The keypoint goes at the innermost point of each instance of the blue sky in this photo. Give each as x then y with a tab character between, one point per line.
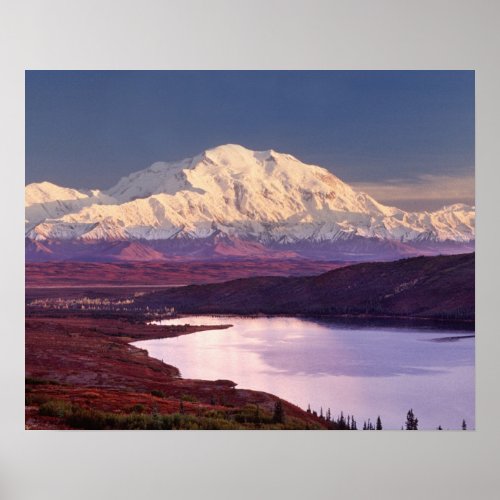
405	136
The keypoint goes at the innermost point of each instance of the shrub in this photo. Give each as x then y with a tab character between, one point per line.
189	398
35	399
138	408
157	393
55	408
82	418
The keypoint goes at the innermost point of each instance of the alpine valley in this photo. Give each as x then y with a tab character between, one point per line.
233	203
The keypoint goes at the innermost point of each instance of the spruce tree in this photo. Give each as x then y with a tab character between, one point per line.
464	425
379	424
411	421
342	420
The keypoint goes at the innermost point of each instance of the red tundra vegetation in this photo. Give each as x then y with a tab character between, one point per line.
82	372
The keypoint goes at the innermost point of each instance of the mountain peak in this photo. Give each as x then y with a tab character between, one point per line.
44	192
227	154
229	148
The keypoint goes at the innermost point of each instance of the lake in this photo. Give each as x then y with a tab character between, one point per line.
358	370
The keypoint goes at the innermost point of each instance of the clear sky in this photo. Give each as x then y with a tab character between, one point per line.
406	137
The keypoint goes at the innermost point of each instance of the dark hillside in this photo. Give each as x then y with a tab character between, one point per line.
434	287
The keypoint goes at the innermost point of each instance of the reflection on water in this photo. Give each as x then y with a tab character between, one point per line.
361	371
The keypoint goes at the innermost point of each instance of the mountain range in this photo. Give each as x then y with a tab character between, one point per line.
231	202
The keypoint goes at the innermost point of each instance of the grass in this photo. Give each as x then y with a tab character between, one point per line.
250	417
55	408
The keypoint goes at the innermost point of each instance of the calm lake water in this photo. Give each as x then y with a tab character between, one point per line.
361	371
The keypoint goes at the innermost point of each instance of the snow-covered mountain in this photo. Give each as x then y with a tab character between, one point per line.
44	201
243	202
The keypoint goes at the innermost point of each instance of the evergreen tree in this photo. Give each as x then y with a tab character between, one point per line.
279	413
354	425
341	421
379	424
464	425
440	428
411	421
364	426
308	408
328	415
321	412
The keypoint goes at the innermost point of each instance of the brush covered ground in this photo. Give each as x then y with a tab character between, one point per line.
441	287
82	373
173	272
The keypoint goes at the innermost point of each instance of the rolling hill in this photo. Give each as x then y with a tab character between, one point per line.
426	287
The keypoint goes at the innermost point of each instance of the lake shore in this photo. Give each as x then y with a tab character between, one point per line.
361	320
364	369
85	366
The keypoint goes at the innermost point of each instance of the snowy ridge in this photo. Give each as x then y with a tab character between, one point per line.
263	196
44	201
